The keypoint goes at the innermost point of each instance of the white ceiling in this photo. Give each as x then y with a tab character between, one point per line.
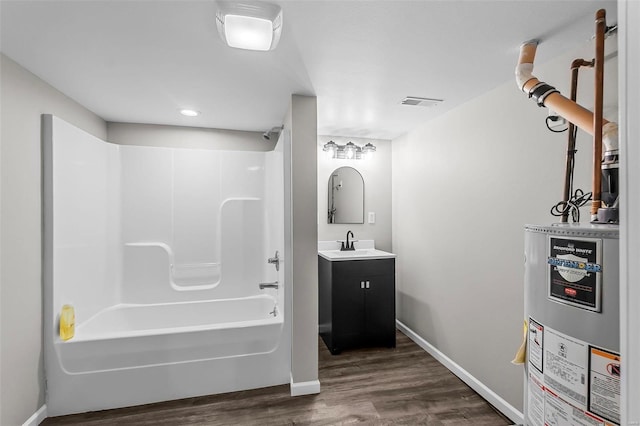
141	61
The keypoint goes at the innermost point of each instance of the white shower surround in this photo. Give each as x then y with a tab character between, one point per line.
160	251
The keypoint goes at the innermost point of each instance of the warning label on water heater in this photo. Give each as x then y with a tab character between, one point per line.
579	384
604	383
575	271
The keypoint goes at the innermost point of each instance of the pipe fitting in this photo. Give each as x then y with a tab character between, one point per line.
540	91
524	73
566	108
610	136
524	69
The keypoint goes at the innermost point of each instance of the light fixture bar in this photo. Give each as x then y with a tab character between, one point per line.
349	151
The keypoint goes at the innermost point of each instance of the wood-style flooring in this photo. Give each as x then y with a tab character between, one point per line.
378	386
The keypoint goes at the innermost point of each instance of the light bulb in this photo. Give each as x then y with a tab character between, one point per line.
349	150
367	151
330	153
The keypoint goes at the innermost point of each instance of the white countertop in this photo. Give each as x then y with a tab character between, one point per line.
358	254
364	250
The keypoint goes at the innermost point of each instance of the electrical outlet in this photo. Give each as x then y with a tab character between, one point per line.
372	217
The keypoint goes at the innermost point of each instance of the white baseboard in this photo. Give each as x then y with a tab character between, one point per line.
305	388
37	417
493	398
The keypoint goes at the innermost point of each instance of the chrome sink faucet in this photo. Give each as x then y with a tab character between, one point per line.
347	246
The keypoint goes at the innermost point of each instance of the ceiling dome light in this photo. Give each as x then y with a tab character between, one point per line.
189	112
250	26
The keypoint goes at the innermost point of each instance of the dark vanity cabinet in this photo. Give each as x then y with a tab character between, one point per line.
357	303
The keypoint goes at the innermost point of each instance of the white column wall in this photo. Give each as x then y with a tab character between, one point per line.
301	236
24	98
629	21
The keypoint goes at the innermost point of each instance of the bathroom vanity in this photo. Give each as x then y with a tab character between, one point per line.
356	298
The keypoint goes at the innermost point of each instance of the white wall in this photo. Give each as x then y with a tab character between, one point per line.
301	261
464	185
24	98
629	21
376	173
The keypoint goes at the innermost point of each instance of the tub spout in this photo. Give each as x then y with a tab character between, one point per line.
268	285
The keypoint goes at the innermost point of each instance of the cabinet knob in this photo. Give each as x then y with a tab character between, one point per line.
367	284
361	284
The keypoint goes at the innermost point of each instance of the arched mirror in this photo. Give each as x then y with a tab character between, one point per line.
346	196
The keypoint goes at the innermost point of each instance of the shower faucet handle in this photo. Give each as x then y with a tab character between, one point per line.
275	260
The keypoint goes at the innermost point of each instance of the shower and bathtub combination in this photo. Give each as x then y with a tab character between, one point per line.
160	252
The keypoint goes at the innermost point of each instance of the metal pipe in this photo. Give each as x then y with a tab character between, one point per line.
571	111
274	284
603	131
571	138
601	26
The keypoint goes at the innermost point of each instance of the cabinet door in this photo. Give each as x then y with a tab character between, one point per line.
324	297
348	305
380	310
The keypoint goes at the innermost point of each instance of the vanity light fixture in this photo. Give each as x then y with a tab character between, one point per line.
350	151
368	150
256	26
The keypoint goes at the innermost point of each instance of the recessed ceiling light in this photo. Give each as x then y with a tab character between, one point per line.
189	112
250	26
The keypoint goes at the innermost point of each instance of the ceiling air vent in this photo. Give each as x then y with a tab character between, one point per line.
423	102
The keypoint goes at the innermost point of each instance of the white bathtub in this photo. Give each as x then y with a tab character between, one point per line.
131	336
160	251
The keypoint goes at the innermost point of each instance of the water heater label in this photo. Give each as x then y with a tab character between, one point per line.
604	383
535	344
535	400
560	413
566	367
575	271
578	386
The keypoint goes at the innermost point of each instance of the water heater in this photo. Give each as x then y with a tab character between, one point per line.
572	314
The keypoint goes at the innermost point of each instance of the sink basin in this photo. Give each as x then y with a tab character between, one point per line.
359	254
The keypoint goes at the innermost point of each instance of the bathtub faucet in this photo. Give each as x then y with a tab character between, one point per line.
268	285
275	260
